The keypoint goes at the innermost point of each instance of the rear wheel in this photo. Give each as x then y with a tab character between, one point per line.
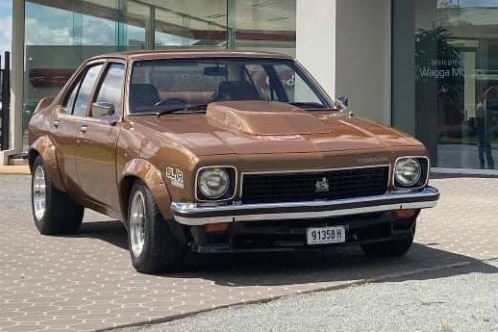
391	248
153	246
54	212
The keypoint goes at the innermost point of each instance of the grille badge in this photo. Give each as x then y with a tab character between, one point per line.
322	186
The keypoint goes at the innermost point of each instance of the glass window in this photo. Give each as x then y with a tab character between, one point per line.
167	83
190	24
69	104
264	25
456	77
59	36
296	89
85	91
112	86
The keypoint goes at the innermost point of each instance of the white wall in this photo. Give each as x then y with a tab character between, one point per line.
346	44
364	56
315	39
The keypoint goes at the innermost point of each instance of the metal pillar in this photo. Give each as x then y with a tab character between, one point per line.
121	38
231	24
150	38
5	103
17	79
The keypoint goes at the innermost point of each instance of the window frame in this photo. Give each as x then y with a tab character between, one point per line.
75	83
305	75
107	65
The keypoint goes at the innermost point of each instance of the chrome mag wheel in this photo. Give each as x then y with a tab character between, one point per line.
137	223
39	190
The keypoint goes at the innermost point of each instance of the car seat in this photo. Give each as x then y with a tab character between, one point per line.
236	90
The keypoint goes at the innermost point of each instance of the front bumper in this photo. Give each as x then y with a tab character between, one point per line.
195	214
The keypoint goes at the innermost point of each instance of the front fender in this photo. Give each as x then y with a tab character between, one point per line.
151	176
44	147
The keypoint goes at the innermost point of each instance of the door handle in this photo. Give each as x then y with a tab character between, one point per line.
83	128
57	123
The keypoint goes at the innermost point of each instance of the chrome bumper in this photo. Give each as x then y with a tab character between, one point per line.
194	214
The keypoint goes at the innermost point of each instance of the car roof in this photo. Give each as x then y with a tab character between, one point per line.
175	54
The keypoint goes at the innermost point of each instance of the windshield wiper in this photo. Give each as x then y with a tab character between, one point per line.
307	104
182	109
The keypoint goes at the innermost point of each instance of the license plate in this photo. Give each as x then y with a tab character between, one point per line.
325	235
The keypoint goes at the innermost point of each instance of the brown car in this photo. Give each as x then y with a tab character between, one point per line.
215	152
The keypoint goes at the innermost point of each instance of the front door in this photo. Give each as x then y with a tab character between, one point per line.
97	138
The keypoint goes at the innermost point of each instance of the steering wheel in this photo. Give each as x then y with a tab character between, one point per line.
170	101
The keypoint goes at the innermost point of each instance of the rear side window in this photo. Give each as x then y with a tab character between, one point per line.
69	104
85	90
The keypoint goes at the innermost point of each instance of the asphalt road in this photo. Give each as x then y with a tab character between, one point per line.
447	300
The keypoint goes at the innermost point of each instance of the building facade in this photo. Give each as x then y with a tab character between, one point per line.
428	67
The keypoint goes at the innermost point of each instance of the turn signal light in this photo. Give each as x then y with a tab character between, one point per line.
405	214
216	228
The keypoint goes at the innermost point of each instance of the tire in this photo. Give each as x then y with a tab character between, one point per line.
54	212
391	248
153	246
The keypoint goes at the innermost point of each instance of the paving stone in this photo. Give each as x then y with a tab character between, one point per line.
85	281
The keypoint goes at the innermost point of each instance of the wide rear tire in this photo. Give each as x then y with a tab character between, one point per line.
153	246
54	212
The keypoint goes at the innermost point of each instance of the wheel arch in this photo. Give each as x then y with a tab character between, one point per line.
45	148
144	171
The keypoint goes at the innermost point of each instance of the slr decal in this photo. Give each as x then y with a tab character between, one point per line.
175	176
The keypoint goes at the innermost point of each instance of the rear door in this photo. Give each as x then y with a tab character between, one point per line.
97	138
67	122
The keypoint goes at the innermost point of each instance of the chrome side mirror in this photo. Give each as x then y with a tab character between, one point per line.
344	100
102	109
341	103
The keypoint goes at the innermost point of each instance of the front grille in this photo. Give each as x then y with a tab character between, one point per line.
309	186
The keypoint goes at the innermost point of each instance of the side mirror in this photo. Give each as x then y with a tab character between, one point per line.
344	100
102	109
341	104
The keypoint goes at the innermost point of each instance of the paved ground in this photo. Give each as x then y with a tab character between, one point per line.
452	299
86	282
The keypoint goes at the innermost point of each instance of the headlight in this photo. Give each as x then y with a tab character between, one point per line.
407	172
213	183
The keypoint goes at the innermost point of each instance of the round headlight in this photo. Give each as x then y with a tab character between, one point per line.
407	172
213	183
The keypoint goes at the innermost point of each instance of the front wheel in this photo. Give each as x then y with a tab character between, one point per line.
153	246
54	212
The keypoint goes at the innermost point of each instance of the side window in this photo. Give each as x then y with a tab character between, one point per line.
69	103
295	86
111	88
85	91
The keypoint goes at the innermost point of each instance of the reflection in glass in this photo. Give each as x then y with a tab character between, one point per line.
266	25
61	34
456	70
190	24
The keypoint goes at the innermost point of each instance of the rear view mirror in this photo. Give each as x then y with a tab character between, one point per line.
215	71
102	110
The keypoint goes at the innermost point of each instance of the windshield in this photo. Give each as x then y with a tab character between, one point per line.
177	84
